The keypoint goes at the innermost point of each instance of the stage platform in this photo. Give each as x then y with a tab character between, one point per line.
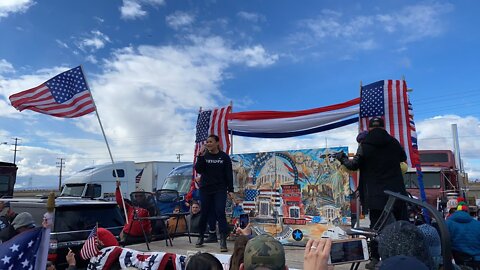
181	245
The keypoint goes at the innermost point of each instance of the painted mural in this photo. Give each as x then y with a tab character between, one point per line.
293	195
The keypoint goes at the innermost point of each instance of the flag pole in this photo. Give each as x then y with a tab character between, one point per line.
106	142
231	131
418	168
358	172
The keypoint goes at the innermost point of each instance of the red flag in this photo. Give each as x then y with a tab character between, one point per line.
389	99
90	247
65	95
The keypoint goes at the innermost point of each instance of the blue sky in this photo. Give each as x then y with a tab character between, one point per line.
152	63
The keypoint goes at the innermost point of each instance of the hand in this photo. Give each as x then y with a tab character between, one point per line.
71	258
187	204
316	254
246	231
202	150
339	155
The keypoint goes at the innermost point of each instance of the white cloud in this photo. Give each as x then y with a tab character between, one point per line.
436	133
6	67
133	9
256	57
251	16
91	59
8	7
147	97
96	41
408	24
417	21
179	19
62	44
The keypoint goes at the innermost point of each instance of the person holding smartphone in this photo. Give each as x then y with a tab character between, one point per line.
216	183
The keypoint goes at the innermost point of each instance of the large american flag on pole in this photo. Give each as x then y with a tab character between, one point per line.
66	95
389	99
212	122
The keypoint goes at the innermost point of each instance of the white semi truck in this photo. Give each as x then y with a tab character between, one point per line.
99	181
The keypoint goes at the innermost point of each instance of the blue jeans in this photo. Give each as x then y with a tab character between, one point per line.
214	205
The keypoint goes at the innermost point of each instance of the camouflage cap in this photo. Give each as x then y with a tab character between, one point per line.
264	251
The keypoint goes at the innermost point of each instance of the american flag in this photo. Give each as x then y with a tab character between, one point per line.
249	202
65	95
212	122
139	176
389	99
21	251
90	247
273	194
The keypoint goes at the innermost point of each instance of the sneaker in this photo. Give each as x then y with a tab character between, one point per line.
371	265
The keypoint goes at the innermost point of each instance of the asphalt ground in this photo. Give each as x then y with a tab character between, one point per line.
181	245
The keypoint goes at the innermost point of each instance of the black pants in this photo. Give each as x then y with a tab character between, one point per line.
399	211
214	204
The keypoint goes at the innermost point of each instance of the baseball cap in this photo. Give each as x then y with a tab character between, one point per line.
401	262
376	122
23	219
264	251
107	238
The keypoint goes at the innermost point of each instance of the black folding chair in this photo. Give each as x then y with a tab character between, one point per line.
147	201
167	200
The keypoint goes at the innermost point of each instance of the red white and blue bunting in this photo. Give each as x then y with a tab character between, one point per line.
277	124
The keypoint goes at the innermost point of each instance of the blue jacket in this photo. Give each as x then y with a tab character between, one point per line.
464	233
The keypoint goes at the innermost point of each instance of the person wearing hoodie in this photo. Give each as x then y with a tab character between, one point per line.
216	184
378	157
464	233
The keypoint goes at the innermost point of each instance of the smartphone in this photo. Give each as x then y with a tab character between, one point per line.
243	220
348	251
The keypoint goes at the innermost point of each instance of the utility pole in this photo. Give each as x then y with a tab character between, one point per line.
60	165
178	157
15	150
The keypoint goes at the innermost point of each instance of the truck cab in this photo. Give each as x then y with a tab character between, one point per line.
8	176
99	181
441	177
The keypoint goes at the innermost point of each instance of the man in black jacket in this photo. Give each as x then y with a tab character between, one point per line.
378	157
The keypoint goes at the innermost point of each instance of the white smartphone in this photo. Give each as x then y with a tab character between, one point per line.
348	251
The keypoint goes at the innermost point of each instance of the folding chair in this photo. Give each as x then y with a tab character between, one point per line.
147	201
167	200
